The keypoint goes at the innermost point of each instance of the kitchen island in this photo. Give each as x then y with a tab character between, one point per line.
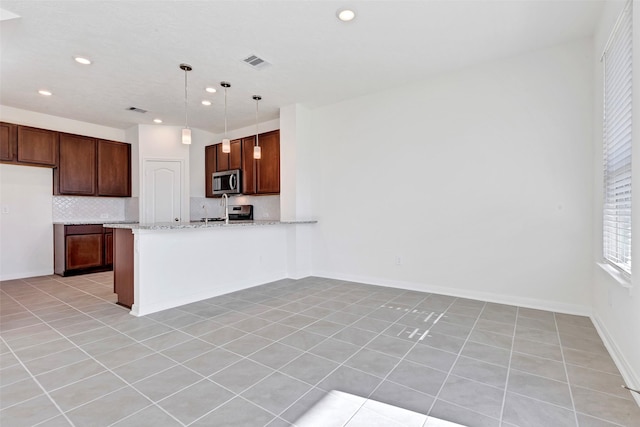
164	265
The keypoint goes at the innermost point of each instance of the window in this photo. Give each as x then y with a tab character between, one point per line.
616	227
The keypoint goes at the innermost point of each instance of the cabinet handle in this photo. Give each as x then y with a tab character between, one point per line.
176	219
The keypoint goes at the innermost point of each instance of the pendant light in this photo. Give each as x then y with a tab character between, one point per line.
257	152
186	132
226	144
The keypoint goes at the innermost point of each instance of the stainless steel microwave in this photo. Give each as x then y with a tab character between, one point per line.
227	182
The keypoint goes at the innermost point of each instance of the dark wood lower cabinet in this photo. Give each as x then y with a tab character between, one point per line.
81	249
84	251
108	246
123	266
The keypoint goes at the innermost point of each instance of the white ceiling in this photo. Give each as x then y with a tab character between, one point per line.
136	47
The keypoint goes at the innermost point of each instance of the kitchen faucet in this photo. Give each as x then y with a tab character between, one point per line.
225	201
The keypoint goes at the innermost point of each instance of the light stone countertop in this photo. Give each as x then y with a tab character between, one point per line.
95	222
199	224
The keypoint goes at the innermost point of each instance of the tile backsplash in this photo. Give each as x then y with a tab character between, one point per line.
70	208
264	207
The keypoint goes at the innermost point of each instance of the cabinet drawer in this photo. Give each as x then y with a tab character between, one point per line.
84	229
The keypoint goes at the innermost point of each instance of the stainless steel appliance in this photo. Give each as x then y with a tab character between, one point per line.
227	182
236	213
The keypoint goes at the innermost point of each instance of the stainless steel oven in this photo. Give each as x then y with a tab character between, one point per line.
227	182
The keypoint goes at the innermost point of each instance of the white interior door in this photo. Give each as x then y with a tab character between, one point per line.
162	191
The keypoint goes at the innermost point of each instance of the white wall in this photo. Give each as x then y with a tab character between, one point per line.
616	310
26	228
479	182
61	124
163	143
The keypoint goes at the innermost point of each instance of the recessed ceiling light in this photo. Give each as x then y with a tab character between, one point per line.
211	89
205	102
346	15
81	60
157	120
45	92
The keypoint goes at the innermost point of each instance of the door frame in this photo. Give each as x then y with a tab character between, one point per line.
184	184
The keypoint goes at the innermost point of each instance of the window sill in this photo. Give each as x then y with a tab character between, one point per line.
616	275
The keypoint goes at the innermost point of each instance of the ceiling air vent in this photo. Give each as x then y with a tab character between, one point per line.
256	62
137	110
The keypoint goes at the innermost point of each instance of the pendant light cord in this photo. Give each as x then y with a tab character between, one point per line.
257	100
225	112
186	116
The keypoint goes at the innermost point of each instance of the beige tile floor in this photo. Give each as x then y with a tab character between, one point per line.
266	355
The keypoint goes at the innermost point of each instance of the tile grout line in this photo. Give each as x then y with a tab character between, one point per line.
566	372
33	378
91	357
395	366
506	382
268	308
277	370
313	386
455	362
326	337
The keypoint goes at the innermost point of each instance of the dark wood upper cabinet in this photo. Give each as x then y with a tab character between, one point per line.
8	141
235	156
114	169
222	159
37	146
268	167
210	152
83	166
76	173
248	166
258	176
229	161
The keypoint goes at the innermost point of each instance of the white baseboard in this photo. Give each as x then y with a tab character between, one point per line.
629	375
27	274
539	304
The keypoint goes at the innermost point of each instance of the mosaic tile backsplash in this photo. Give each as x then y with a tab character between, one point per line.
69	208
264	207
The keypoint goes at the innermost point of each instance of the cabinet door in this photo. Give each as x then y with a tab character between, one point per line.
76	173
235	156
108	246
248	166
8	141
268	167
209	168
123	266
37	146
84	251
222	159
114	169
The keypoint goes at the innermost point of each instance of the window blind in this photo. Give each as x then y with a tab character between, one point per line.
617	60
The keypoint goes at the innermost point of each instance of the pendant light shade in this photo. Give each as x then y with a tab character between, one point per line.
186	136
186	132
226	144
257	151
